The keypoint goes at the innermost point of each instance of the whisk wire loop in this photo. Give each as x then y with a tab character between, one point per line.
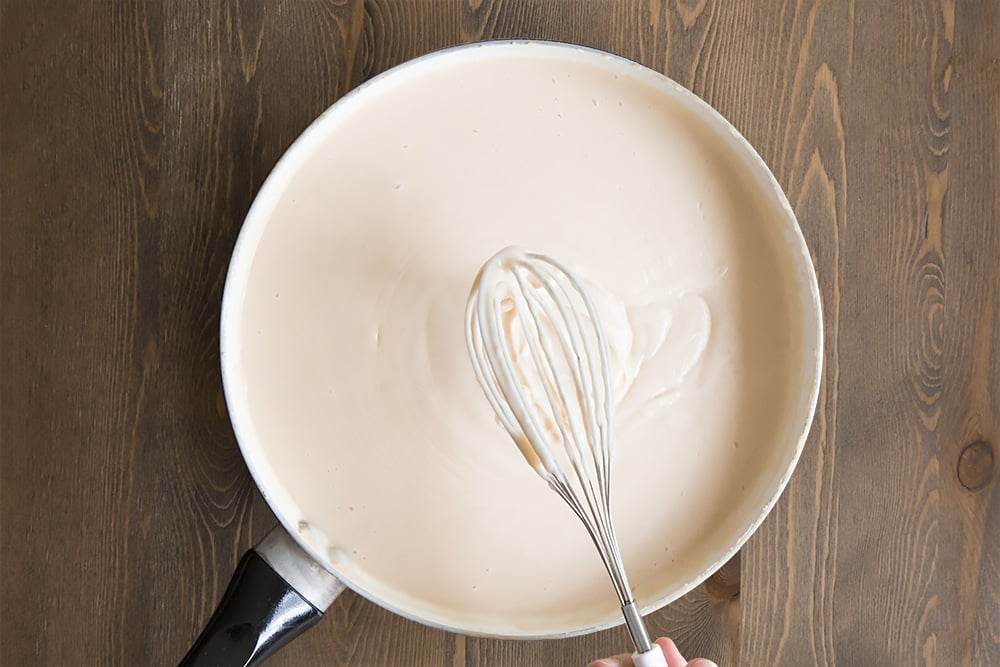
542	357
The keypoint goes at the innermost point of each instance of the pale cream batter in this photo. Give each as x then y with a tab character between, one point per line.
348	378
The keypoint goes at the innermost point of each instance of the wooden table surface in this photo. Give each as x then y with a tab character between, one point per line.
135	135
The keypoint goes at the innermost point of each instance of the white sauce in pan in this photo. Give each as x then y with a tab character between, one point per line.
355	396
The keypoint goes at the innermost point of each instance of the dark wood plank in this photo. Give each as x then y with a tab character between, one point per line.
794	115
962	324
876	554
81	126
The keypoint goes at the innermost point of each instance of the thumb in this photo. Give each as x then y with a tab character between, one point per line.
701	662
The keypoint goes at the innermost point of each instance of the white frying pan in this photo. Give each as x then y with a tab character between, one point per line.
285	583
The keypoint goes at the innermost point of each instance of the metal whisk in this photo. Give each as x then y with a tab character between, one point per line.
541	356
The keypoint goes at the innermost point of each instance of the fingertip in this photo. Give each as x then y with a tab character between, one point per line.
671	652
701	662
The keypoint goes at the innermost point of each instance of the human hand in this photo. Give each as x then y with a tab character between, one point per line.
670	652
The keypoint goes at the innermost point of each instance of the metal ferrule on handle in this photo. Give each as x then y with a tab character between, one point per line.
636	628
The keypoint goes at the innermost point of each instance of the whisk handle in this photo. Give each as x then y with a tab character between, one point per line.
652	658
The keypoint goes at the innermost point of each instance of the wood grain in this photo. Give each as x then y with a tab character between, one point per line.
133	137
874	547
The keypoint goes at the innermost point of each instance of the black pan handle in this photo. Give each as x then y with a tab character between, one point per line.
261	611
